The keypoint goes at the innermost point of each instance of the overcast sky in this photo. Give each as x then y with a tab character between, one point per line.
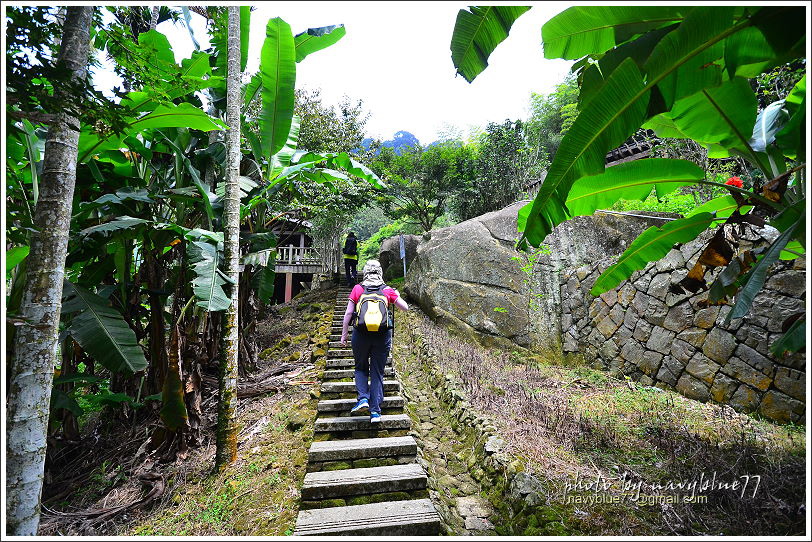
396	58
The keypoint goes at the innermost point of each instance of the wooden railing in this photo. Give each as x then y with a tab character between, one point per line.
291	255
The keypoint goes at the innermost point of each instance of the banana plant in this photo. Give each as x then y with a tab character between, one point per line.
683	72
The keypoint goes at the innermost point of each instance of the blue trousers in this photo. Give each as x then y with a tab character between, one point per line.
370	351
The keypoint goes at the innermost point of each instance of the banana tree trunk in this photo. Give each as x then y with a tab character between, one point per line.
36	339
229	352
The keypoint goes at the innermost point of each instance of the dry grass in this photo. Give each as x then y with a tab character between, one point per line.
569	422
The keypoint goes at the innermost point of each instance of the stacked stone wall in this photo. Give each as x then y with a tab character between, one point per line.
678	341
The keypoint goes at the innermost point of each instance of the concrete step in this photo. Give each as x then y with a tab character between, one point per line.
349	482
343	363
362	423
363	448
344	405
349	387
399	518
337	374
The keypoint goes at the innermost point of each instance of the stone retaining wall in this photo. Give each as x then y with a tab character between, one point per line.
519	497
643	330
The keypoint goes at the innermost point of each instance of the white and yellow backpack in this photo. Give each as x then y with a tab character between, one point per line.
372	311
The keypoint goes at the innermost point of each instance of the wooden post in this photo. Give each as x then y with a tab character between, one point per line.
288	287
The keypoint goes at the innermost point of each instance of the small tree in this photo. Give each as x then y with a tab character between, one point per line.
423	181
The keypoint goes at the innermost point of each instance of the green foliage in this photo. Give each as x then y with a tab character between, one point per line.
422	181
102	331
369	249
551	116
477	33
503	166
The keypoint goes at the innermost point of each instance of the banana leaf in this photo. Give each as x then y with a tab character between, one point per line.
209	280
277	69
651	245
102	331
477	33
632	181
316	39
580	31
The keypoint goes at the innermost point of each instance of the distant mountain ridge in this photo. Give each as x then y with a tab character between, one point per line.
401	142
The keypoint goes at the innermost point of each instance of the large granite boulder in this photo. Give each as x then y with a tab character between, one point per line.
389	255
472	276
469	274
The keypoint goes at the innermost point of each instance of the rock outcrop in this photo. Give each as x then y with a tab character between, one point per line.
389	255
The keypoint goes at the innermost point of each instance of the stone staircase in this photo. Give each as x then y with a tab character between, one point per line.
362	478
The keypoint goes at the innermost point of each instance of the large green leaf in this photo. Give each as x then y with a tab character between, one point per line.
123	223
651	245
184	115
245	185
632	181
676	68
793	340
209	280
585	30
316	39
101	331
611	116
476	35
14	256
277	68
792	137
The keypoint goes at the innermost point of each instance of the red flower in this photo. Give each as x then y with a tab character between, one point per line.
734	181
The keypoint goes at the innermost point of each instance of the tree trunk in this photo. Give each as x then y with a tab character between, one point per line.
156	10
36	340
229	353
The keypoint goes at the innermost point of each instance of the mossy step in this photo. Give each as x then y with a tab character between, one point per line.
344	405
364	448
337	374
347	482
345	387
343	363
395	518
362	423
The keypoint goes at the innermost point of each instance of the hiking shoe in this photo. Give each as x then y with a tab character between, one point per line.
362	405
375	417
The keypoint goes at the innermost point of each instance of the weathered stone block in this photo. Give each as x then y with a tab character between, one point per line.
723	388
659	286
706	318
660	340
789	283
583	272
780	407
745	399
694	336
682	350
743	372
626	294
719	345
609	349
607	327
609	297
646	380
656	312
642	331
693	388
640	303
650	362
632	351
755	360
702	368
671	261
617	314
670	371
791	382
679	317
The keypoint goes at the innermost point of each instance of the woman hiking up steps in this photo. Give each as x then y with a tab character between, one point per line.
371	337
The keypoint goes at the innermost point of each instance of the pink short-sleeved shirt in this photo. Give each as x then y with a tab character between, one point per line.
355	295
